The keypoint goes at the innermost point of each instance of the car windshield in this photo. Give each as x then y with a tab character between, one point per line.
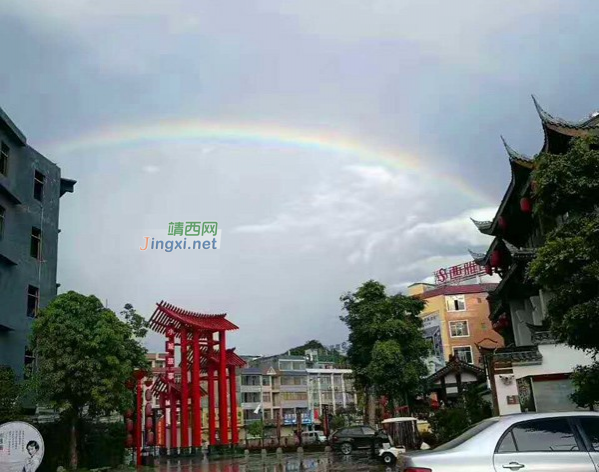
467	434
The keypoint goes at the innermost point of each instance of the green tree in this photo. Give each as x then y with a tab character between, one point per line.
138	323
386	344
567	265
255	429
10	393
85	357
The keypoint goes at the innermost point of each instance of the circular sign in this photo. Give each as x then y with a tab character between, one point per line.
21	447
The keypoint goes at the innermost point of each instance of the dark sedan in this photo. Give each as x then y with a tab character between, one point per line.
357	437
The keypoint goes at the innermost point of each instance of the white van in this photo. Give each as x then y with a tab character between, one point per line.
313	437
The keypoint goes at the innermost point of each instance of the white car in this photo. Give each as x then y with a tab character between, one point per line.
536	442
313	437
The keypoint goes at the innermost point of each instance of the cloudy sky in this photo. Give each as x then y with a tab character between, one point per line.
333	141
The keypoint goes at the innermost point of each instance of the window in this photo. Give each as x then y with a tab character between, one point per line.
507	444
2	217
455	303
38	185
458	329
368	431
551	435
36	243
33	301
353	431
292	380
591	429
468	434
250	380
285	365
266	397
4	154
250	397
266	381
294	396
463	353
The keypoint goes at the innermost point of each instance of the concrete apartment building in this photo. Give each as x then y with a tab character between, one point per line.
456	320
30	191
288	385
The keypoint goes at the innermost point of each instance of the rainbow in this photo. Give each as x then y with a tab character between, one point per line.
124	137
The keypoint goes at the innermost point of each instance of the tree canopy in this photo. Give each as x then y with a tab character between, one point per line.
567	265
85	357
10	393
386	344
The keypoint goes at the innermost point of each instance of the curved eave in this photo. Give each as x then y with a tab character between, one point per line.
587	127
483	226
478	257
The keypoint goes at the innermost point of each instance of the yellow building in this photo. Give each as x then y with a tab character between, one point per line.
456	320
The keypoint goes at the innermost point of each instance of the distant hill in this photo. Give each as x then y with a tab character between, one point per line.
313	344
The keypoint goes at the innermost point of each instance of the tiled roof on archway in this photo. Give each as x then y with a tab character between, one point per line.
167	315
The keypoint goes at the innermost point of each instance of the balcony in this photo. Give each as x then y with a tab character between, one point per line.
249	405
294	388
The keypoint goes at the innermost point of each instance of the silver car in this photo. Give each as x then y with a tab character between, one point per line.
539	442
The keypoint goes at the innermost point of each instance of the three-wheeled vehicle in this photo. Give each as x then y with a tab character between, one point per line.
403	436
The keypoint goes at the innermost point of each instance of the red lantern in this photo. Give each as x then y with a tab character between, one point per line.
148	395
149	422
129	441
496	258
148	409
129	425
148	383
526	205
129	414
502	223
488	269
150	440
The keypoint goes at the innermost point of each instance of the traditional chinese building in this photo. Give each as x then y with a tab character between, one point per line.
532	372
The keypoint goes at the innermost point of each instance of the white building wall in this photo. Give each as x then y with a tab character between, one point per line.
557	359
504	391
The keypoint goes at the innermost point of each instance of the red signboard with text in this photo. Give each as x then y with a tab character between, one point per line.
458	273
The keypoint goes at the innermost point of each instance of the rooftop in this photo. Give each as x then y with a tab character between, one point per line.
458	290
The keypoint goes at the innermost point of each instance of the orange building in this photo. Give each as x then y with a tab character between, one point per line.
456	320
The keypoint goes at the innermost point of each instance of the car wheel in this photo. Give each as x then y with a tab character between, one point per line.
346	448
388	458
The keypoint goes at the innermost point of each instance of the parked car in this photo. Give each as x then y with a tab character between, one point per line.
313	437
357	437
536	442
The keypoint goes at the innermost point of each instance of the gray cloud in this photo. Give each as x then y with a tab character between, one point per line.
431	82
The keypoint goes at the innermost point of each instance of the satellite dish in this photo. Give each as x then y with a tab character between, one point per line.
21	447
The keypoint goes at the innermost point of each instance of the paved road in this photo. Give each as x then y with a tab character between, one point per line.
314	462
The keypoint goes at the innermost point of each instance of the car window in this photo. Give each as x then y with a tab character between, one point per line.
368	431
590	426
353	431
468	434
507	444
551	435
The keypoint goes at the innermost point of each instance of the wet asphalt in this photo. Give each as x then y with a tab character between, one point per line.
308	462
